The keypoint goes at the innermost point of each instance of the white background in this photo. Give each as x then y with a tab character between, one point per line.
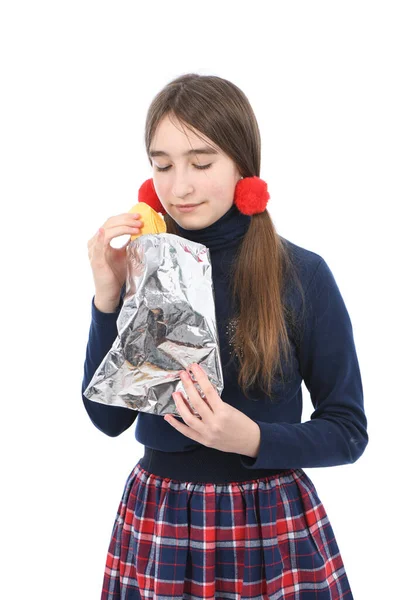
77	79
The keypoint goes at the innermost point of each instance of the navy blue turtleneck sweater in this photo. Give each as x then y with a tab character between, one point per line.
325	358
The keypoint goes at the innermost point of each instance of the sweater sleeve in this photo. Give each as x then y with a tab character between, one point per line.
111	420
336	433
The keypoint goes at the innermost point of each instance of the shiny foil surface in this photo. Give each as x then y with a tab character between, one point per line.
166	323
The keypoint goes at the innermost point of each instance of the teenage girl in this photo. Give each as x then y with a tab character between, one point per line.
219	506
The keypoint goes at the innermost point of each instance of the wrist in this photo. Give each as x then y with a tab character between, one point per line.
106	305
253	442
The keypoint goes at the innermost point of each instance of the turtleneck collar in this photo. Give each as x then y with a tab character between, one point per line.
229	228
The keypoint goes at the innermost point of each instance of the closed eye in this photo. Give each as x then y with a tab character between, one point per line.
199	167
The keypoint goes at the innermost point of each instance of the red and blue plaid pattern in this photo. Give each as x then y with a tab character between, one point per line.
266	538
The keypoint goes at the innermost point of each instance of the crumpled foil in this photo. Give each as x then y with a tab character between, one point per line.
166	323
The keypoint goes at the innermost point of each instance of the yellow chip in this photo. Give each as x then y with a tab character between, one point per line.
152	221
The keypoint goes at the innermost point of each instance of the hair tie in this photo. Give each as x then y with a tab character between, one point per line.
251	195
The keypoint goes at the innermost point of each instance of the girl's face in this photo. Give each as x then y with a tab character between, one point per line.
205	178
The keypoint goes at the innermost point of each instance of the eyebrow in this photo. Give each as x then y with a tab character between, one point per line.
203	150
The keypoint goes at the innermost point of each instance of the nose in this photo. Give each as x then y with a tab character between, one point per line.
181	187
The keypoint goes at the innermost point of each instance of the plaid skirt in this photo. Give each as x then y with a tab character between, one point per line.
267	538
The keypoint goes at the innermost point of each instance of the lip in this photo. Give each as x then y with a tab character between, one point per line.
187	207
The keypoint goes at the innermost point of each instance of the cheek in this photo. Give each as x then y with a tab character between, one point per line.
215	189
160	186
223	194
219	191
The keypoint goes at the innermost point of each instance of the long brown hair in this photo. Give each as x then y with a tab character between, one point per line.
219	110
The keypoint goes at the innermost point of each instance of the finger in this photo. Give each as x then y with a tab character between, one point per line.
95	239
99	240
113	232
183	429
197	401
96	246
187	404
126	223
123	219
211	395
103	237
185	412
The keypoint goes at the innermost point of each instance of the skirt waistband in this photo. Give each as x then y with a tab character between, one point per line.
203	464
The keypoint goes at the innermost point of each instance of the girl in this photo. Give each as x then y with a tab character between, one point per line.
219	505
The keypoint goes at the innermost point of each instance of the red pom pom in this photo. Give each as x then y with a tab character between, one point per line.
148	194
251	195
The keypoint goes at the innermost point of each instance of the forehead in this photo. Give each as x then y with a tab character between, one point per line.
173	138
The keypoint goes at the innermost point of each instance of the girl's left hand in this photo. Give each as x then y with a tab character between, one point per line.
221	426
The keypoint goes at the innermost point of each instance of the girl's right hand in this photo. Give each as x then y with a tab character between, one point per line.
109	264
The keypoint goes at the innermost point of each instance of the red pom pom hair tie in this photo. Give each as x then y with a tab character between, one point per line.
251	196
148	194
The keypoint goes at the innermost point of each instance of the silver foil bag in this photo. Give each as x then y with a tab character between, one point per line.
166	323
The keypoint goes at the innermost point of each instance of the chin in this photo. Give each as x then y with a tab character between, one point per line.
191	226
